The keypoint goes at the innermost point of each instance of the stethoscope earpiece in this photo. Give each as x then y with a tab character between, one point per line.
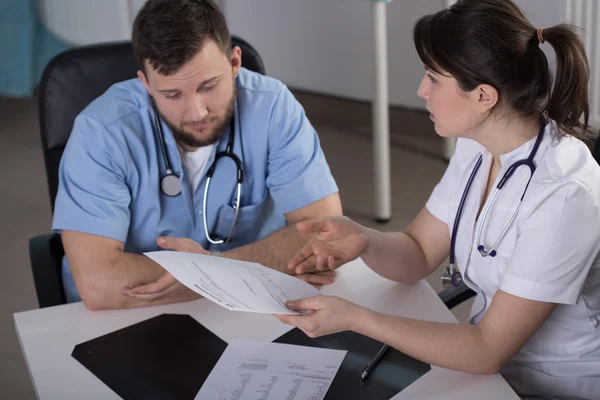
484	253
228	153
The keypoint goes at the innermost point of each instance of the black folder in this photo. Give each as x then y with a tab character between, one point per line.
165	357
170	356
394	372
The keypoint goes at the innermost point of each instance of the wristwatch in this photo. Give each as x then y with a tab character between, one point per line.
216	253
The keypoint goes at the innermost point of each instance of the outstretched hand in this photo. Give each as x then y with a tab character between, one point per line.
338	240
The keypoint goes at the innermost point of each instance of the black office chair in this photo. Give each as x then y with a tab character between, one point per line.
596	150
456	295
70	82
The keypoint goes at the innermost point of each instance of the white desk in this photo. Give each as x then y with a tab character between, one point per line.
48	336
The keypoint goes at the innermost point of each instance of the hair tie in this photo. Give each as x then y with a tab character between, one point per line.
539	35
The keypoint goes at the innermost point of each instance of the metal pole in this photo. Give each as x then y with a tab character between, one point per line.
380	118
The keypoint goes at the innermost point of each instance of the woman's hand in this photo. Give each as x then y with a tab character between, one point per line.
329	315
338	241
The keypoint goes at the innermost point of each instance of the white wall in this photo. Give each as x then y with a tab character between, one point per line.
326	45
543	14
317	45
81	22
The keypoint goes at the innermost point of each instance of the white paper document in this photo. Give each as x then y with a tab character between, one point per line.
235	285
250	370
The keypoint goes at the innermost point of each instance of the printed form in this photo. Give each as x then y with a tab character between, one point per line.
250	370
235	285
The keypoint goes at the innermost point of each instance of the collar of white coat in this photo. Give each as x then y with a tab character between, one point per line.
523	151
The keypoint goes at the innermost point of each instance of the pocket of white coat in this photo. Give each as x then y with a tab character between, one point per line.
247	226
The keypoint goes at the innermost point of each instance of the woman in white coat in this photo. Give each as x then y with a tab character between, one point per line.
527	236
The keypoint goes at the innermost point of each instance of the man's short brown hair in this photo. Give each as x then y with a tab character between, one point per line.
169	33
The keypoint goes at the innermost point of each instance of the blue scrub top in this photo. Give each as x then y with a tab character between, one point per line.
110	172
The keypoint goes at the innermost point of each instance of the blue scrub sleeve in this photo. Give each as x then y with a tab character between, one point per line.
93	196
298	173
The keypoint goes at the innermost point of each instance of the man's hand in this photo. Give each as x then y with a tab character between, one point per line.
166	284
180	244
318	279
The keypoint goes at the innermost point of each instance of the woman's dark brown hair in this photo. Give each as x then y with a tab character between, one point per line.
169	33
491	42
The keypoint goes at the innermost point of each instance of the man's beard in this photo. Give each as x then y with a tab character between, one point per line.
213	137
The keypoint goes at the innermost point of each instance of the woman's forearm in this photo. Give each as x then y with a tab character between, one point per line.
453	346
395	255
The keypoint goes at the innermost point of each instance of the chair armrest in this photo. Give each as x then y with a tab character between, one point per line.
456	295
46	253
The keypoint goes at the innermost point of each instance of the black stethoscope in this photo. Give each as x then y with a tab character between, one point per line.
170	183
451	276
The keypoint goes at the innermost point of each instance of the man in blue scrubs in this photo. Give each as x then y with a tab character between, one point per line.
110	205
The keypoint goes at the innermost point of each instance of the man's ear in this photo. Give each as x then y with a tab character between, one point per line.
486	97
142	76
236	60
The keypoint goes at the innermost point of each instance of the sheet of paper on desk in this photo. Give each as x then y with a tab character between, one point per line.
250	370
235	285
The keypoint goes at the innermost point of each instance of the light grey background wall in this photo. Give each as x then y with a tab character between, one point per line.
326	45
317	45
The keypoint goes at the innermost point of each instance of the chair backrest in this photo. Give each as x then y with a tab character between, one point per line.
596	150
74	78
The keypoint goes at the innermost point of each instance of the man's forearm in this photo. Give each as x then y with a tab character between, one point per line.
104	290
170	298
128	270
274	251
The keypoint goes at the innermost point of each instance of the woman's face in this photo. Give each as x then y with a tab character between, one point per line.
454	112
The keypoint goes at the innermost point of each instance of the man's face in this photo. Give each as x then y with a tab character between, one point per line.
197	101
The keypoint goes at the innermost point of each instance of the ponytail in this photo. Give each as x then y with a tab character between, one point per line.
569	97
492	42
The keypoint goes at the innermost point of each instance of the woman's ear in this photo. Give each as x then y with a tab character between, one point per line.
486	97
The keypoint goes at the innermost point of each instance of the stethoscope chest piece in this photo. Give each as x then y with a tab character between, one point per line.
170	185
451	277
